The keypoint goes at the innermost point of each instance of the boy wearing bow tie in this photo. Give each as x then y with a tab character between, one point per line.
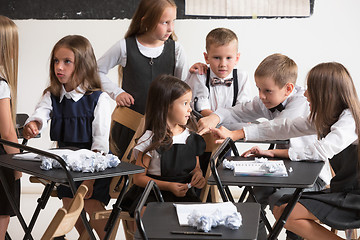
222	86
278	98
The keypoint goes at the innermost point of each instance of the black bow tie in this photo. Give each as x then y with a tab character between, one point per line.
279	107
218	81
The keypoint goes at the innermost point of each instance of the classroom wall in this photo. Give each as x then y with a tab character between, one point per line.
330	34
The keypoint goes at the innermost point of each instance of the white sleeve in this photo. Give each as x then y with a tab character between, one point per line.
341	135
243	112
101	124
279	129
143	142
116	55
200	91
42	111
181	67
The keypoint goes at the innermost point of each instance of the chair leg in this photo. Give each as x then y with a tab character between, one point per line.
129	235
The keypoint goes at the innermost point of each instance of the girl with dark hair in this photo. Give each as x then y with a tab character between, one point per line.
168	149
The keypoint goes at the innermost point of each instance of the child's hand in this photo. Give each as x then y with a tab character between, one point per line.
90	186
199	68
221	134
198	180
31	129
125	100
205	123
256	151
178	189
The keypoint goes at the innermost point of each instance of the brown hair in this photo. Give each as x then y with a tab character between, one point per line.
163	91
147	17
86	70
220	37
331	90
278	67
9	52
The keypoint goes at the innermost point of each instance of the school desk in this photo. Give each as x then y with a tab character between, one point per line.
160	219
62	176
303	175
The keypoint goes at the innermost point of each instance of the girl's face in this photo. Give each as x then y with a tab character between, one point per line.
64	66
179	111
165	27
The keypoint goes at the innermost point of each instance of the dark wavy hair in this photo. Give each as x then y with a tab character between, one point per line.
163	91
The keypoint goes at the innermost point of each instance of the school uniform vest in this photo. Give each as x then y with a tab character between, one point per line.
140	71
71	122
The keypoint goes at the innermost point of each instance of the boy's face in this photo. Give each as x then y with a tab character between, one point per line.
222	59
270	93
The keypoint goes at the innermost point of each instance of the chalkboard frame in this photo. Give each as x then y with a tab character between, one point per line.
92	9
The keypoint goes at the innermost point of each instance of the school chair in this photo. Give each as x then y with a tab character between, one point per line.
136	122
65	218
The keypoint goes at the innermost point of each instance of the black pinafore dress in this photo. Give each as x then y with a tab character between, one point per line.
176	166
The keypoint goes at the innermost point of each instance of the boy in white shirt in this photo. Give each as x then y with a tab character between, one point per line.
222	86
278	98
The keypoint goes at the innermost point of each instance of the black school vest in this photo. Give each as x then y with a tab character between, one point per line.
140	71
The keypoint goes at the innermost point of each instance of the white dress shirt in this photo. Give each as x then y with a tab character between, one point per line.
100	124
342	134
116	55
219	96
295	105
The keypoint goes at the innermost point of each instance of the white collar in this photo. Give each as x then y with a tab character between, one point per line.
212	74
75	94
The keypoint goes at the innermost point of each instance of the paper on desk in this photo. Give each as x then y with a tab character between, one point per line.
275	168
72	154
184	210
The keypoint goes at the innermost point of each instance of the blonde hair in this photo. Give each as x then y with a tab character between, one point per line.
331	90
278	67
147	16
220	37
85	73
9	51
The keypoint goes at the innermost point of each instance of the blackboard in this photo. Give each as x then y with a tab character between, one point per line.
85	9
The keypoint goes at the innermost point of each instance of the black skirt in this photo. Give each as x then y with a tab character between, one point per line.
339	210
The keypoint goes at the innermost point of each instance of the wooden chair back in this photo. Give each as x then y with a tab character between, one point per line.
65	218
135	121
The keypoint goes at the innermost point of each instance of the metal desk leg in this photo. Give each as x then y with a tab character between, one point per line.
116	209
42	201
284	216
5	185
262	211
